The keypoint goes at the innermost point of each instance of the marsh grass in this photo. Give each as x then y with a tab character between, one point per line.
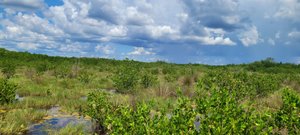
72	106
70	129
16	121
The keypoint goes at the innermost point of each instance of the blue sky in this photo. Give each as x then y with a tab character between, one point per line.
180	31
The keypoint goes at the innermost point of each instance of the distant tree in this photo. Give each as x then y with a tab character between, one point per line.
268	62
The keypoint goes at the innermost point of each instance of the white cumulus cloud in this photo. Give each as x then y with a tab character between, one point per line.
141	51
250	37
28	46
294	34
271	41
106	49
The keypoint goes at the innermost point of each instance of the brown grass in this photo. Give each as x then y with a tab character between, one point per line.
273	102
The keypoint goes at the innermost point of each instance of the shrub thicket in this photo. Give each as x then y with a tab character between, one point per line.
216	109
126	79
7	91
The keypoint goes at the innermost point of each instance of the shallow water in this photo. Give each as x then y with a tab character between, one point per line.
19	98
58	120
84	98
57	123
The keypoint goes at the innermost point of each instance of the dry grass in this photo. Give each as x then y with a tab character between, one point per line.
282	131
164	90
272	102
29	73
188	91
294	85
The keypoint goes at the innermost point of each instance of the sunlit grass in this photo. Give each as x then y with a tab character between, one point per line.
16	121
71	129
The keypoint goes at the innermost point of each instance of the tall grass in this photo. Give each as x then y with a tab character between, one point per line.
17	121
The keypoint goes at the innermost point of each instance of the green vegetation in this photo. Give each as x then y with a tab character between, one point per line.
70	130
7	91
215	110
16	121
8	69
130	97
126	78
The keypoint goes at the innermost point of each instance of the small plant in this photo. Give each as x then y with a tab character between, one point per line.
42	67
7	91
61	71
71	129
85	77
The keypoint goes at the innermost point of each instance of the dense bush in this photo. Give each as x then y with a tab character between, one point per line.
8	69
126	79
289	114
62	71
7	91
244	83
220	104
41	67
214	110
148	80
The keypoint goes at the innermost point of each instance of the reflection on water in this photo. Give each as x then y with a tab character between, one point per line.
19	98
57	123
57	120
84	98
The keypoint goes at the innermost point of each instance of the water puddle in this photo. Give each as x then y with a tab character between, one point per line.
112	91
57	120
84	98
57	123
19	98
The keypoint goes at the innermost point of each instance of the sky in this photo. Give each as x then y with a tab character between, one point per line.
214	32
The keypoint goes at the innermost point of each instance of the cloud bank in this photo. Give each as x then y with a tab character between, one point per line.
228	31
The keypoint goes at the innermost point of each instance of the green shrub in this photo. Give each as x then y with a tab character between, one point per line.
126	79
42	66
168	70
7	91
98	107
289	114
148	80
211	111
245	84
155	71
85	77
9	69
61	71
170	78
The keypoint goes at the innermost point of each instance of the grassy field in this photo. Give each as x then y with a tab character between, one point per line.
130	97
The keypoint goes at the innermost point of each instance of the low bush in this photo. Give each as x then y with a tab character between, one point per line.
244	83
85	77
8	69
212	111
7	91
126	79
148	80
